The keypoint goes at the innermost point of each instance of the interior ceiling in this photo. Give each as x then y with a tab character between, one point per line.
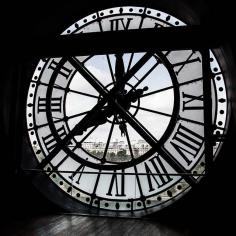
24	17
22	21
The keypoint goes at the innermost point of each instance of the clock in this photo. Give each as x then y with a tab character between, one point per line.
123	133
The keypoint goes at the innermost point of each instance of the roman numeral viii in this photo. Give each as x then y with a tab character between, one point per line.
187	143
153	167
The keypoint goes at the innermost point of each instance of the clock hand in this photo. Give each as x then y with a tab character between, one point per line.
101	118
159	61
120	71
123	128
79	128
109	110
127	76
119	67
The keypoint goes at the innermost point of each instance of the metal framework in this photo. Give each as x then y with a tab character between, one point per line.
186	37
150	40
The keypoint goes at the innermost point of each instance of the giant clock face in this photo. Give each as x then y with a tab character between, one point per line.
123	132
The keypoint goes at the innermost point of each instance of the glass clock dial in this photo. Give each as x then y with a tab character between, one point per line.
123	132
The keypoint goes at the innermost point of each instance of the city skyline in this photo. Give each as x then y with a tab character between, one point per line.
117	149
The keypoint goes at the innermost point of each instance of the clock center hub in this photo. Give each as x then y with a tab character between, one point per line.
128	98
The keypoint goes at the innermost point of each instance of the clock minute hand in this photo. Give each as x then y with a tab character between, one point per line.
61	144
129	74
98	113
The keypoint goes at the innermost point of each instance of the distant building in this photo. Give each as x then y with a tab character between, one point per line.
139	147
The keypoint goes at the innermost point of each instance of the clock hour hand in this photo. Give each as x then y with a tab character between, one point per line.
126	101
109	110
119	71
100	118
